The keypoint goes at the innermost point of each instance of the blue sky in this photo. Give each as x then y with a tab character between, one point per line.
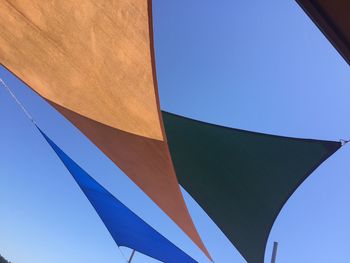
255	65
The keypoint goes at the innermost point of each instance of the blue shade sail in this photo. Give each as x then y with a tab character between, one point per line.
126	228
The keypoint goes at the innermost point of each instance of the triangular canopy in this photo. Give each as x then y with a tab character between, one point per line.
332	17
240	178
93	61
126	228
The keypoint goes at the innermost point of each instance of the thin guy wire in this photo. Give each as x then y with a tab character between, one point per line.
17	101
121	252
343	142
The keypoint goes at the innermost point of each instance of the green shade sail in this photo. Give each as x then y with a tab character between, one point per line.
241	179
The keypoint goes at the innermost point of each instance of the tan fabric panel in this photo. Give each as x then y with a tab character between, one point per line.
93	61
92	57
146	161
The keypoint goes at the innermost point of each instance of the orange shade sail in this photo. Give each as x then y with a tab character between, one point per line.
93	61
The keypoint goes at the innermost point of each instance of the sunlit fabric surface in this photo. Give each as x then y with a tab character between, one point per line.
126	228
93	61
241	179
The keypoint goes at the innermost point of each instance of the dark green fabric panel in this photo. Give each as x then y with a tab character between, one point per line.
241	179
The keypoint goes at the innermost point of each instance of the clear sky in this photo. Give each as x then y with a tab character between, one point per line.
255	65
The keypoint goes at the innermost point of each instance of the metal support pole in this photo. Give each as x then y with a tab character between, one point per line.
274	252
132	255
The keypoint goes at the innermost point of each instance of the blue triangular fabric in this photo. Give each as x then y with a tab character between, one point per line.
126	228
